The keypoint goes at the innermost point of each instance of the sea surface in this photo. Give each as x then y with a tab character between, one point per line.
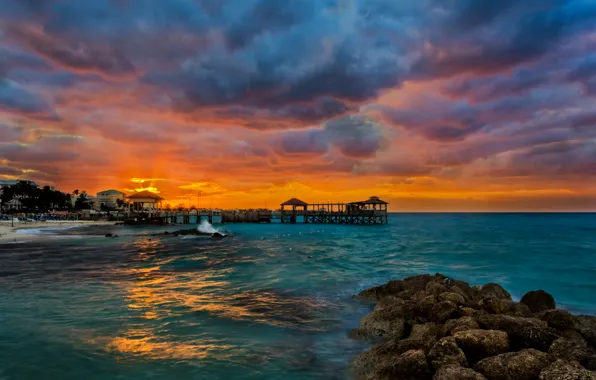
267	302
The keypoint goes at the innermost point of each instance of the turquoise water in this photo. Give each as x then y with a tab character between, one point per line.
270	302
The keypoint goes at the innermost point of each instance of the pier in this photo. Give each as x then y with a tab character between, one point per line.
369	212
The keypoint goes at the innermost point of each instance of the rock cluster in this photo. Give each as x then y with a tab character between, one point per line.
438	328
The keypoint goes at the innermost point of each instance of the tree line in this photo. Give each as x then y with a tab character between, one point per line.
32	198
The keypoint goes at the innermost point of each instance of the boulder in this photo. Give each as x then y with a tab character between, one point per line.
523	332
494	291
538	300
411	365
416	282
522	365
379	292
471	312
586	325
494	305
570	346
436	288
590	362
456	325
446	352
390	303
419	295
518	309
562	370
444	311
427	331
383	323
457	289
456	298
558	319
480	344
471	292
457	373
381	356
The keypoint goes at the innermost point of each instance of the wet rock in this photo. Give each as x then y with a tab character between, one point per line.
427	331
444	311
494	305
411	365
571	346
453	326
508	323
419	295
533	337
480	344
470	312
586	325
391	304
379	292
470	292
457	289
457	373
558	319
562	370
383	323
494	291
538	300
522	365
446	352
436	288
384	355
456	298
518	309
416	282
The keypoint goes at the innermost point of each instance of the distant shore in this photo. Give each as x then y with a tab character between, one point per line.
8	233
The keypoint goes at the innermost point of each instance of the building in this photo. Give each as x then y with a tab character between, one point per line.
110	198
145	200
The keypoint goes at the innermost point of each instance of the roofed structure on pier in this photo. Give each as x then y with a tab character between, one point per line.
294	202
375	202
145	200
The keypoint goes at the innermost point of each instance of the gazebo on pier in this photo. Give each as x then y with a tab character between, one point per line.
145	200
297	206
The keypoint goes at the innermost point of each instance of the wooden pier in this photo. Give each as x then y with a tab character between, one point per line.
371	211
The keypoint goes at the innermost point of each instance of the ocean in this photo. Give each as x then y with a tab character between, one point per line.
268	302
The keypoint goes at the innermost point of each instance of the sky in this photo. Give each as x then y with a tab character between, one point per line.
432	105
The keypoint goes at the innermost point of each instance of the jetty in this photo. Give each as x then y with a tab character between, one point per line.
368	212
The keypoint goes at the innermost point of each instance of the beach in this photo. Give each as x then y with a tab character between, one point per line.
17	233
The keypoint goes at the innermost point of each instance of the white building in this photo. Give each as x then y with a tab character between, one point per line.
110	198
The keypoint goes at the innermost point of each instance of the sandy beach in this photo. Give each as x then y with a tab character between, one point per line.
8	233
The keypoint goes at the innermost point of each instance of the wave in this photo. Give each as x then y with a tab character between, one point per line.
206	228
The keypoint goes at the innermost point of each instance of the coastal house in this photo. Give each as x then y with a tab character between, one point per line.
145	200
110	198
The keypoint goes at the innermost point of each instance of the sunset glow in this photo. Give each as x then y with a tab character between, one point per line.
246	104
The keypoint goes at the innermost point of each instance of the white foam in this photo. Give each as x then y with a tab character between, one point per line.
206	228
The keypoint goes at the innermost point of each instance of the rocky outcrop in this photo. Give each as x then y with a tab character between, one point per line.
439	328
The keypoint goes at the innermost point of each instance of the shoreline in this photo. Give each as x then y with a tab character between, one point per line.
10	234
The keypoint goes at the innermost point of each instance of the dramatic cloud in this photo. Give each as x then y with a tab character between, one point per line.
437	99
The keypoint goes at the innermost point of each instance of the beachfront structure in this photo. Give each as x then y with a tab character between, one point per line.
371	211
110	198
145	200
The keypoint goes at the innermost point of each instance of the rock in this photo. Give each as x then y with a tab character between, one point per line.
381	356
571	346
494	305
443	311
411	365
523	332
480	344
538	300
586	325
518	309
457	289
471	293
456	325
456	298
446	352
109	235
590	362
558	319
562	370
383	323
416	282
522	365
379	292
457	373
470	312
427	331
494	291
390	303
436	288
419	295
